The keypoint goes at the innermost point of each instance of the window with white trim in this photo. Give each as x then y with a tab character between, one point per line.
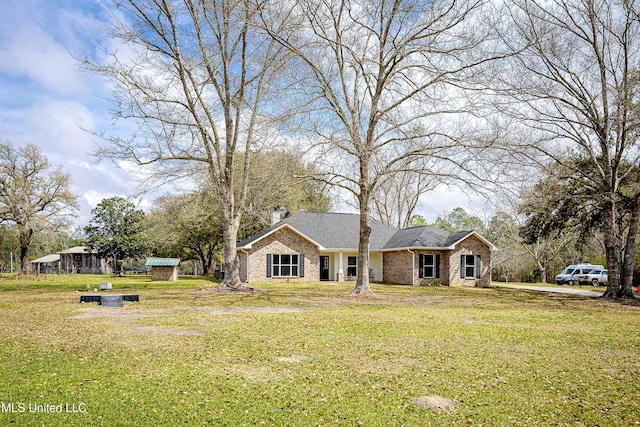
429	266
285	265
470	266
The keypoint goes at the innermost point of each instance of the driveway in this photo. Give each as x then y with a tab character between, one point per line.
567	290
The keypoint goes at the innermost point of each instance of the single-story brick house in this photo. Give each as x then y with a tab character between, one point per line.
311	246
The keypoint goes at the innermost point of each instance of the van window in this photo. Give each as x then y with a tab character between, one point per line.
568	271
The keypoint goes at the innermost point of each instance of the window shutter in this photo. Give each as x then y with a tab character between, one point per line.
462	266
301	265
437	266
421	266
268	265
478	266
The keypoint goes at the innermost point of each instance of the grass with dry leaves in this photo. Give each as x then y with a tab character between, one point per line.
308	354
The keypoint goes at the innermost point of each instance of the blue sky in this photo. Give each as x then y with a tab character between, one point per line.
45	98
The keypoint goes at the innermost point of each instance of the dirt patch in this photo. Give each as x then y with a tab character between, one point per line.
293	359
436	403
112	312
134	313
165	331
266	310
218	288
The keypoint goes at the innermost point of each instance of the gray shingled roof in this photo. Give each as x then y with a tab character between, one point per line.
424	237
338	230
342	231
330	230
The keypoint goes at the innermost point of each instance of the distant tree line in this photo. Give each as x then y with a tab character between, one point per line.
555	222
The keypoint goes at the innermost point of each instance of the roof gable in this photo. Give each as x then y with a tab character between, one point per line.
248	242
457	239
429	237
423	237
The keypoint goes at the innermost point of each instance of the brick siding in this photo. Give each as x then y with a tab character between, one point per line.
283	241
397	265
471	246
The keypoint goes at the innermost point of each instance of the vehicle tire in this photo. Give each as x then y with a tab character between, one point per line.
570	283
595	282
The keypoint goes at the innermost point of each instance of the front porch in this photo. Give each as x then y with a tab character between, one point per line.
340	266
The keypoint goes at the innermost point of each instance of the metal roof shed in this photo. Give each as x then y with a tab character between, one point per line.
163	269
47	264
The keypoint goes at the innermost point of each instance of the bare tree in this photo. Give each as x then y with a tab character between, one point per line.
33	194
383	83
397	197
197	80
574	83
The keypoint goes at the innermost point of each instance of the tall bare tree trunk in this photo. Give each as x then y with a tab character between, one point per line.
231	264
362	283
25	242
626	285
230	215
612	249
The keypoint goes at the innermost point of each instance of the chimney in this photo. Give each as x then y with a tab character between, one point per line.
276	216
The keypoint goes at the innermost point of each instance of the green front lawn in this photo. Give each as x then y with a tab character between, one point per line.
307	354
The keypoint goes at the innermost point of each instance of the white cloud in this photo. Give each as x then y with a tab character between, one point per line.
94	197
57	126
46	100
443	199
33	53
39	39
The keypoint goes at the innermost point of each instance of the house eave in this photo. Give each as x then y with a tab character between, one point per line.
250	245
347	250
419	248
473	233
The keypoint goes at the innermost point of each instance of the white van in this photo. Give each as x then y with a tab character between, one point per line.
569	275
